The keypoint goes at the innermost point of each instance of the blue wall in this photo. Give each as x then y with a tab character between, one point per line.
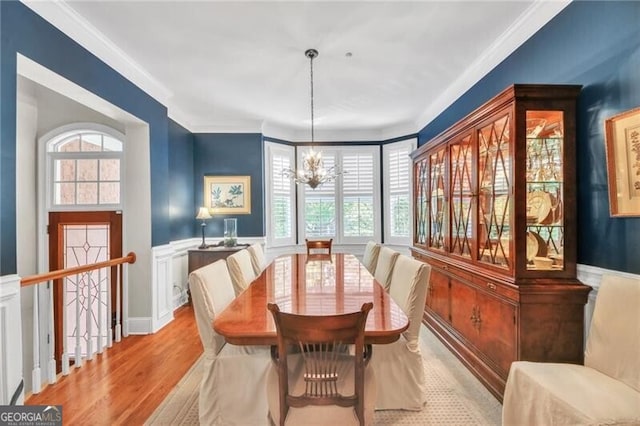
22	31
237	154
597	45
181	182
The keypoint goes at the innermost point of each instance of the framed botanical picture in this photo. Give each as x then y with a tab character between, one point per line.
228	194
622	137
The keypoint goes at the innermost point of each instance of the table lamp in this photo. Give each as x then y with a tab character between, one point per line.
203	214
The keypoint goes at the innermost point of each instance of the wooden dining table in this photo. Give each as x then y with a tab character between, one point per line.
310	285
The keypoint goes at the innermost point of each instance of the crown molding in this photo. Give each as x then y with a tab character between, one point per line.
59	14
527	24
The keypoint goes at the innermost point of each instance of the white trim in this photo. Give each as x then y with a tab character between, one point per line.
523	28
49	157
162	282
65	18
139	325
10	338
411	144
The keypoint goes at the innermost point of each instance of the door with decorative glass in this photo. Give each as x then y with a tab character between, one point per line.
86	305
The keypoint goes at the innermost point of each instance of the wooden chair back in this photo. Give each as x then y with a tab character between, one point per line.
319	246
321	340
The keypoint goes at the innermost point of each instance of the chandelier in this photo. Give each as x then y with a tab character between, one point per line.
313	172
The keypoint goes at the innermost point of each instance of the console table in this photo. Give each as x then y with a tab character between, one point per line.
201	257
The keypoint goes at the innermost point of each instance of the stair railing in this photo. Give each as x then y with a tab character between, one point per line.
82	273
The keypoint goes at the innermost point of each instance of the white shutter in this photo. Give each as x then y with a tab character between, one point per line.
279	196
320	205
357	192
397	188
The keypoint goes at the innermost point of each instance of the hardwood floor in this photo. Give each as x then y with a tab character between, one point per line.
125	384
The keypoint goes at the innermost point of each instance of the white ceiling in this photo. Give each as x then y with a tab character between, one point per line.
239	66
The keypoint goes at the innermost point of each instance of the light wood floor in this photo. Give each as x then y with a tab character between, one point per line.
125	384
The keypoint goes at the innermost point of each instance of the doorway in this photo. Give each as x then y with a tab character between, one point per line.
85	304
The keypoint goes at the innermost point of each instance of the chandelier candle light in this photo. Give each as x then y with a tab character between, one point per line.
313	172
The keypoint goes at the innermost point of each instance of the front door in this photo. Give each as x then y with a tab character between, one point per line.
75	239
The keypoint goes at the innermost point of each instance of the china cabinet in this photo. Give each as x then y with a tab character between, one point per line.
495	217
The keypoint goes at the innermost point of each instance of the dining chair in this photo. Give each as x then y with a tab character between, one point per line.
233	377
370	257
258	259
605	389
241	270
398	366
314	378
384	266
322	246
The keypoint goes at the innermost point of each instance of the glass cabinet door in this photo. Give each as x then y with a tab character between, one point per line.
494	193
421	179
461	154
437	199
545	191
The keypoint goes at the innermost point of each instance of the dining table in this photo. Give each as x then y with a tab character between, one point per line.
310	285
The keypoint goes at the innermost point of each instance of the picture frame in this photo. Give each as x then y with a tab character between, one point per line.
227	194
622	140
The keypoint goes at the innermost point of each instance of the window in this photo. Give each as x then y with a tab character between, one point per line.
397	191
345	210
358	194
280	195
85	169
319	207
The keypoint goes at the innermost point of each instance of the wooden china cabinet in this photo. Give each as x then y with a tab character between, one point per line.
495	217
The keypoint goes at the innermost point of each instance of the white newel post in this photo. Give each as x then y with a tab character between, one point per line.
10	339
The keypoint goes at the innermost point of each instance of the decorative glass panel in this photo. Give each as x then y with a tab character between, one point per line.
422	182
494	193
545	190
461	197
86	314
437	200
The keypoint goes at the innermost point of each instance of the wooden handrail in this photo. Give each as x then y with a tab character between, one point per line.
61	273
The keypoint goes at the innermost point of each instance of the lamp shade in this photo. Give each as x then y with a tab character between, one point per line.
203	213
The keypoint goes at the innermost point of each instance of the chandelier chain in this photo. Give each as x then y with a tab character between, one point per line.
312	115
313	172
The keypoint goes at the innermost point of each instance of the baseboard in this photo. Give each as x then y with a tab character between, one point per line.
139	325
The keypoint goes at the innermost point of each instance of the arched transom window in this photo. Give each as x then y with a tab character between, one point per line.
85	169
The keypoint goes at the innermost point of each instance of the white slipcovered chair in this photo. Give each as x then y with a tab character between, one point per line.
384	266
241	270
370	257
258	260
398	366
605	390
234	377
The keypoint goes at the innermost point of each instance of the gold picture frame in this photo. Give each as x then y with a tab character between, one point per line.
227	194
622	139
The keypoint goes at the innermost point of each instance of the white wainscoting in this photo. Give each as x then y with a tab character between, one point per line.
170	278
170	282
10	339
161	285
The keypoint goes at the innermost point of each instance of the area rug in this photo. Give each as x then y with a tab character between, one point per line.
454	395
